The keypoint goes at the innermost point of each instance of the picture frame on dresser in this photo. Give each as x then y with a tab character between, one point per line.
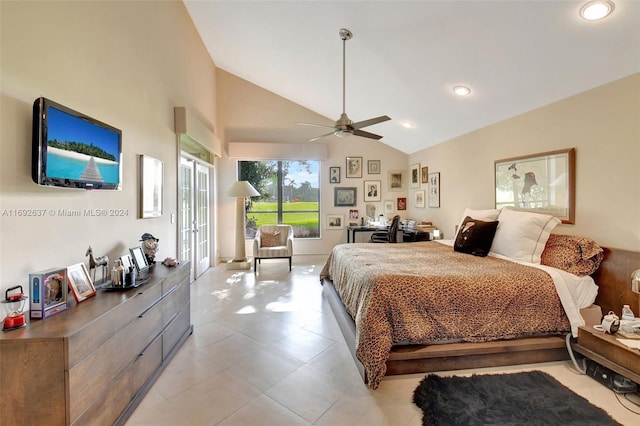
80	282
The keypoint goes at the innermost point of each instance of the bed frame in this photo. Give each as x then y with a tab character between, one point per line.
613	279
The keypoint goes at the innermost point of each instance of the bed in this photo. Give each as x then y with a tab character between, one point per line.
425	307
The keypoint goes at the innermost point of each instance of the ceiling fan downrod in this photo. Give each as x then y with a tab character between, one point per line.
345	35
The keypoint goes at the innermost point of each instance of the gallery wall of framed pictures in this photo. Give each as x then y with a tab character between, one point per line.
423	189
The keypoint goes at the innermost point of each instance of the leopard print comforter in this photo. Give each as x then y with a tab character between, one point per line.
423	293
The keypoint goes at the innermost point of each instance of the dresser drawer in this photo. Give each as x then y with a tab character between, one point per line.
176	329
94	334
89	377
181	275
173	302
106	409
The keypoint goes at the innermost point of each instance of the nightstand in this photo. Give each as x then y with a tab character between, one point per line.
604	349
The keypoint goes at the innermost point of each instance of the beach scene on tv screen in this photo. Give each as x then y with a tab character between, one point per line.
80	150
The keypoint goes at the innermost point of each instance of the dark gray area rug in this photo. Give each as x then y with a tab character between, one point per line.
528	398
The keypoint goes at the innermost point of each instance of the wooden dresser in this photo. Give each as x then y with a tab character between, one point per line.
93	363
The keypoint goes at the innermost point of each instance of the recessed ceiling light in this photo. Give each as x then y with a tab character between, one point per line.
596	9
461	90
407	124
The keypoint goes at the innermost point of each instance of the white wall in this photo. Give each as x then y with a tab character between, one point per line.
603	124
125	63
248	113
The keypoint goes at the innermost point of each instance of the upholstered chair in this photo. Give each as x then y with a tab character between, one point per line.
273	242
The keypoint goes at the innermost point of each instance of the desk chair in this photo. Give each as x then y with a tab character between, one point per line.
388	236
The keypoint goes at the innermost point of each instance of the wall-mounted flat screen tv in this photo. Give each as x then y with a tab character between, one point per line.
73	150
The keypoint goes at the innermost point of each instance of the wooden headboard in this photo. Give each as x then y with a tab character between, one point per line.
614	281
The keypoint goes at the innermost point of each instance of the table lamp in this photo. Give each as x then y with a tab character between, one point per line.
240	190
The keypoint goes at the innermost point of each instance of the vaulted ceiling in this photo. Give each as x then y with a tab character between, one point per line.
405	57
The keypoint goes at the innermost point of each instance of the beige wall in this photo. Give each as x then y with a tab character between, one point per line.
248	113
125	63
603	125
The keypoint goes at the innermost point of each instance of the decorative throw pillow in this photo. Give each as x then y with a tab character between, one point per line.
488	215
268	239
523	235
574	254
475	236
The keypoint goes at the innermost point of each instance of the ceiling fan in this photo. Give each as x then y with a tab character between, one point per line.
344	126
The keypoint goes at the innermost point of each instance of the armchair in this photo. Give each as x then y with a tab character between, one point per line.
273	242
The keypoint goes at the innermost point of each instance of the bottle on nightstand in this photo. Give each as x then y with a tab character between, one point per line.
627	313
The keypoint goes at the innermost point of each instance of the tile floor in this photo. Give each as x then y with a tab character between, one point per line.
266	350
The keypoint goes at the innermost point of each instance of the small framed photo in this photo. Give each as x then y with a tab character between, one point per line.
334	174
414	172
354	167
372	190
80	282
395	181
335	221
353	214
373	167
425	174
344	197
402	203
434	189
388	206
418	198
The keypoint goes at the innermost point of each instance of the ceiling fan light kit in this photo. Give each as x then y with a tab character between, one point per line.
344	127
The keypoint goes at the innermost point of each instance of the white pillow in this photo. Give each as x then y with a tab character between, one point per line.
484	215
523	235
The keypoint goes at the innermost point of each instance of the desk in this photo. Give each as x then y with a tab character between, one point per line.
410	236
351	231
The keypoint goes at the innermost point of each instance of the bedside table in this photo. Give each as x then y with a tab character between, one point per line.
604	349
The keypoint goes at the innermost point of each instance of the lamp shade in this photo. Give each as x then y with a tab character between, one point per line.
242	188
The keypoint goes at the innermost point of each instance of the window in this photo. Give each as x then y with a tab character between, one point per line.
290	194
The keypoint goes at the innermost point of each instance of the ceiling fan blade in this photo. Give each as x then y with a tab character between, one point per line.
320	137
370	122
364	134
314	125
